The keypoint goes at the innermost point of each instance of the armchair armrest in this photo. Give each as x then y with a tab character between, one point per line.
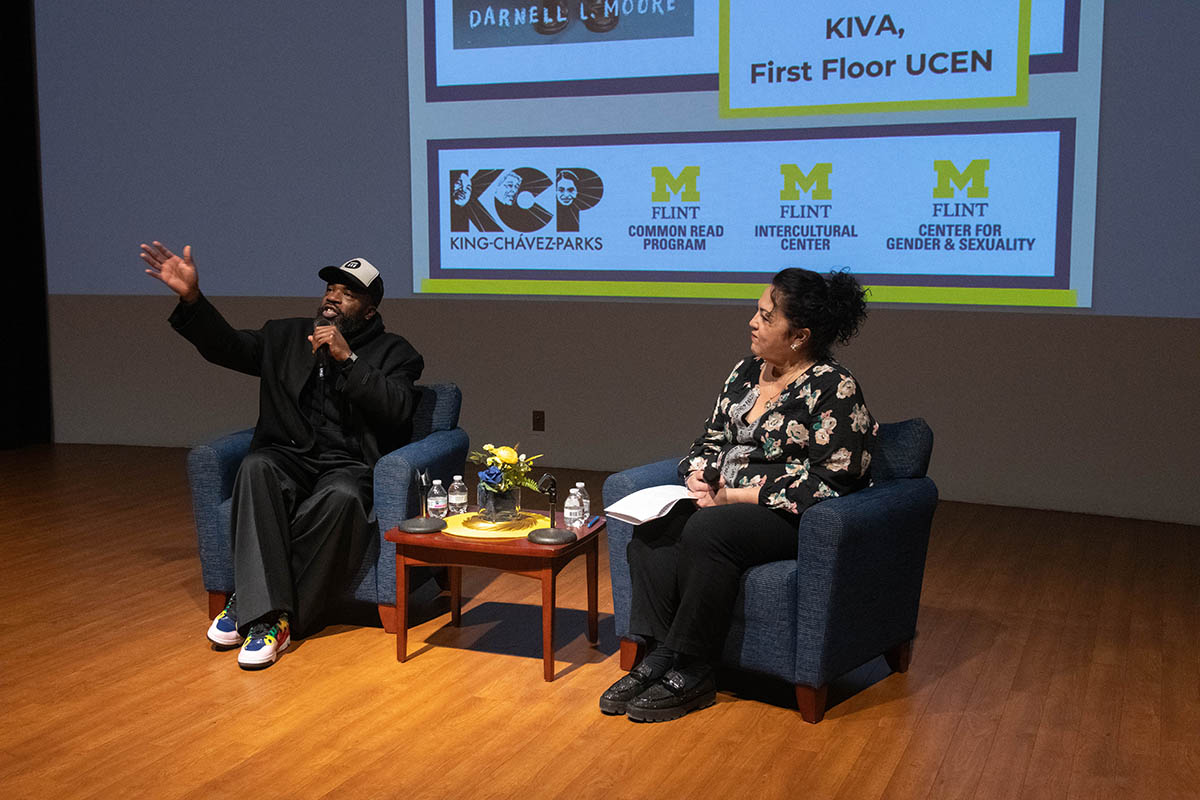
443	453
619	533
862	558
211	469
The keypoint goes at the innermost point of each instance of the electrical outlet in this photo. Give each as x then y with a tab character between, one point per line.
539	420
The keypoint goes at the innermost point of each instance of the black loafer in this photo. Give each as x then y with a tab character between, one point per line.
674	695
616	696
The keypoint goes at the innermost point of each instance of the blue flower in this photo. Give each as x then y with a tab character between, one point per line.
492	476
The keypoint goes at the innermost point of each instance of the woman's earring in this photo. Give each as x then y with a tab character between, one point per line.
795	347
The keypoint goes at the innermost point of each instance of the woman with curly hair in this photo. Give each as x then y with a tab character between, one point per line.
789	429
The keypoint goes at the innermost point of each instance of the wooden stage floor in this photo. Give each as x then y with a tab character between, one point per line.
1057	657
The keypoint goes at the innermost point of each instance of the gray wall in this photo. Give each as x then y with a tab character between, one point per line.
1091	414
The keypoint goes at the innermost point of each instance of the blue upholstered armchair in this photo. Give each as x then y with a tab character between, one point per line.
852	593
438	445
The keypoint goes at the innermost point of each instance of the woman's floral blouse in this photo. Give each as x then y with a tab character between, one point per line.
813	441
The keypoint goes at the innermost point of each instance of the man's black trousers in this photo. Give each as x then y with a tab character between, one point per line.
301	527
686	568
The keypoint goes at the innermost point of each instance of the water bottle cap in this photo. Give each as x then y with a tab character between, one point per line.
437	481
579	484
458	477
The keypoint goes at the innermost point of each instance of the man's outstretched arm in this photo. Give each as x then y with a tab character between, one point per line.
195	318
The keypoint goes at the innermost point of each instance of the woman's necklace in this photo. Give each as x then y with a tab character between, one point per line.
771	389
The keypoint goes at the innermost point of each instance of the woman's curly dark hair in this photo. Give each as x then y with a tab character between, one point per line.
832	307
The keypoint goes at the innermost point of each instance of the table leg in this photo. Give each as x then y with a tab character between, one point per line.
455	595
548	623
401	606
593	556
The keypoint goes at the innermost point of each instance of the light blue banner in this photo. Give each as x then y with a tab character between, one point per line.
977	204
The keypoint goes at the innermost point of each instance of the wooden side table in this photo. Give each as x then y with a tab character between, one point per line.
520	556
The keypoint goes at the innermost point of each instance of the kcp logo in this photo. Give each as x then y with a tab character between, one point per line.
517	198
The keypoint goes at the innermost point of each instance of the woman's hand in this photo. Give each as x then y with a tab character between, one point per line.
702	491
707	497
695	482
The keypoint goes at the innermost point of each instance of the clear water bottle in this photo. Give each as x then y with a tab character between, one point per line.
573	510
437	500
458	496
587	501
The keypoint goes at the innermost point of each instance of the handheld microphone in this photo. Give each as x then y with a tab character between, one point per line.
712	476
322	353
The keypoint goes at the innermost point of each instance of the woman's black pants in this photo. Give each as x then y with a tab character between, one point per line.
686	568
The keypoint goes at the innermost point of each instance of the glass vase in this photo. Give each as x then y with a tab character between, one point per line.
500	506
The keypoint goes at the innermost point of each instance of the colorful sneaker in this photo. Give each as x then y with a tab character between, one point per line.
264	643
223	631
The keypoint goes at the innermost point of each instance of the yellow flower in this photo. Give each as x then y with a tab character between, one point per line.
506	455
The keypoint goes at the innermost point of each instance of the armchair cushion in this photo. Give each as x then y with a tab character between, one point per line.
437	409
902	450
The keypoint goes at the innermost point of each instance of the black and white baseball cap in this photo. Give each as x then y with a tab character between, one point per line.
357	273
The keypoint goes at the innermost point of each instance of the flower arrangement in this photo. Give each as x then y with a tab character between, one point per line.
506	468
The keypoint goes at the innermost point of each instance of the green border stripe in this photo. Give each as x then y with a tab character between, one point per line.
951	295
953	103
723	59
735	291
974	296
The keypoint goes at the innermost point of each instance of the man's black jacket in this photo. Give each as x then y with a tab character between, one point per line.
378	386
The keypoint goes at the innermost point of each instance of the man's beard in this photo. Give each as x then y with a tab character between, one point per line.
347	325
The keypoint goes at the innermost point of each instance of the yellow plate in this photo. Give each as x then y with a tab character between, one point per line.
473	526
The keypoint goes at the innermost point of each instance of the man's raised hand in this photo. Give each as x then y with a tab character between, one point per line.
179	274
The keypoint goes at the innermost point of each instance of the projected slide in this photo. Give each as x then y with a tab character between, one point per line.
944	152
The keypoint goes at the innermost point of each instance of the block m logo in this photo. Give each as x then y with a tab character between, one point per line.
816	182
974	174
665	183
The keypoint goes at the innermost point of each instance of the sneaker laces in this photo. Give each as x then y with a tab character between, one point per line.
260	630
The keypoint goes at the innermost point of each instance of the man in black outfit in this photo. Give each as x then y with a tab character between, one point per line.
335	394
